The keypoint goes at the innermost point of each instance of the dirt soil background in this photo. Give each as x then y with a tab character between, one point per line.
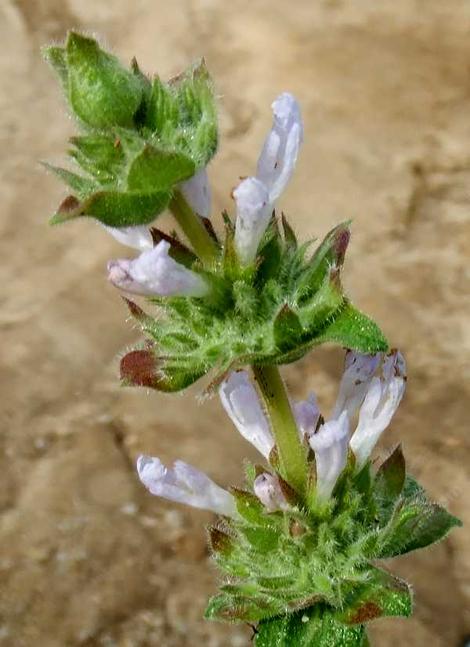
87	556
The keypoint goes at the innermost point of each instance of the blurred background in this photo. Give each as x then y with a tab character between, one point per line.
87	556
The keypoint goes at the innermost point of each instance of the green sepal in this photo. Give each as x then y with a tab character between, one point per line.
101	91
249	506
144	368
227	607
329	254
99	155
382	594
415	523
81	185
313	627
290	239
286	328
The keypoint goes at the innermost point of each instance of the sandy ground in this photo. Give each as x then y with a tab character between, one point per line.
87	557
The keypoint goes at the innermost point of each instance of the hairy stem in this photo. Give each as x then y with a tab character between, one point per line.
291	453
193	228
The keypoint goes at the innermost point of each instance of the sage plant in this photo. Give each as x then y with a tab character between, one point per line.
300	543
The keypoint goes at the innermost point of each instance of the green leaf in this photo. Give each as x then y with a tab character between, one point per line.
314	627
156	169
226	607
324	305
262	539
162	113
101	92
389	482
290	239
118	209
381	595
353	329
415	523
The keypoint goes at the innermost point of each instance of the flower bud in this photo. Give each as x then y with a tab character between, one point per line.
330	445
155	273
269	492
184	484
241	402
382	399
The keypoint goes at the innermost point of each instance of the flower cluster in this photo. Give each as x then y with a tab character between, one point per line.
364	397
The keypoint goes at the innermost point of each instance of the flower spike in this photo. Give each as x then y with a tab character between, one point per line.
155	273
241	402
330	445
184	484
381	401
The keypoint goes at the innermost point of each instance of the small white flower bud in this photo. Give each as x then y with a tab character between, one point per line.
241	402
381	401
155	273
268	491
197	193
184	484
330	445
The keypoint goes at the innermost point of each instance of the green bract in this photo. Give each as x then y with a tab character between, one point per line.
141	137
273	313
316	559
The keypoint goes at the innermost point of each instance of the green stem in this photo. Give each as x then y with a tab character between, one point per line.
291	453
193	228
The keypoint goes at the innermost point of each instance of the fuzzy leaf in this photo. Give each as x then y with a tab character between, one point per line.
156	169
381	595
118	209
353	329
314	627
101	92
415	523
290	239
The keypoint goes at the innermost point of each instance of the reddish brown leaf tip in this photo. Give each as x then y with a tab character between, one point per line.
138	368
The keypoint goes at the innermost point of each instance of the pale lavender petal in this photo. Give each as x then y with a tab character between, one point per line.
137	237
280	151
330	445
269	492
382	400
253	214
155	273
307	415
197	192
184	484
358	373
241	402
